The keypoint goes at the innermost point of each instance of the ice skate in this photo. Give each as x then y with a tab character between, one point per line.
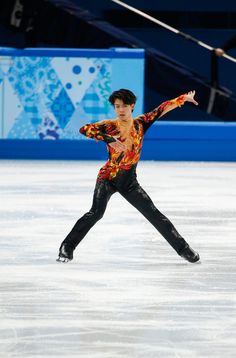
65	254
189	254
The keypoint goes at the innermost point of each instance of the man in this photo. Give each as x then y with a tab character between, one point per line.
227	46
124	139
219	52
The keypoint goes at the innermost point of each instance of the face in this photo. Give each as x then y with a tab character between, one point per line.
123	111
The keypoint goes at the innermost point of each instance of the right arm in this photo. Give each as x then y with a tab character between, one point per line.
97	131
105	131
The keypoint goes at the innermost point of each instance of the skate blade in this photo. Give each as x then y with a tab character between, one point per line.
63	259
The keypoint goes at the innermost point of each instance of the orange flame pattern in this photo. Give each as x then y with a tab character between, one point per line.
108	129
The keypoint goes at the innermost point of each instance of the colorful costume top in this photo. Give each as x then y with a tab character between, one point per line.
108	130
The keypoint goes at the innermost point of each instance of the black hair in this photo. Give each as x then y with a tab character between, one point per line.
124	95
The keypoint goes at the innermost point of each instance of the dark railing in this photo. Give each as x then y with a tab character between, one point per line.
214	59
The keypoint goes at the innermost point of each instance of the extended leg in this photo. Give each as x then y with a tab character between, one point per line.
102	193
141	201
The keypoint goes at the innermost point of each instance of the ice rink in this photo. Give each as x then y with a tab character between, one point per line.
127	293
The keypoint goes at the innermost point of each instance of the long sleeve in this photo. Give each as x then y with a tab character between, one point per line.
149	118
97	132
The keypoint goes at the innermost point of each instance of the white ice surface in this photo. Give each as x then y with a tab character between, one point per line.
126	293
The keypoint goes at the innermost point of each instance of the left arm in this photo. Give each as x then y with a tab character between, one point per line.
168	106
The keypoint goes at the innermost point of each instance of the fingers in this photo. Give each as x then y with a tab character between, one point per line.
118	146
190	97
192	93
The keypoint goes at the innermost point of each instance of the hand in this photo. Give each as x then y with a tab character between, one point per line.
189	97
118	145
219	52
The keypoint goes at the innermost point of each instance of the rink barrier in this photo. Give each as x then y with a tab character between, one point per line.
190	141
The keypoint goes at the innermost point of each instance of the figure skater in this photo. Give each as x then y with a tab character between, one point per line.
124	139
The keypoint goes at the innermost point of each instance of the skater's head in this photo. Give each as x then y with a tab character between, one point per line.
123	101
125	95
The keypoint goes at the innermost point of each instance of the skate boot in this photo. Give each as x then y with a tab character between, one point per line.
189	254
65	254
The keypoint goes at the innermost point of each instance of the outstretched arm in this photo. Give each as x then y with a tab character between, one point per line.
176	102
168	106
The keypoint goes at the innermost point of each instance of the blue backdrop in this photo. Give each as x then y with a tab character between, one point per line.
50	94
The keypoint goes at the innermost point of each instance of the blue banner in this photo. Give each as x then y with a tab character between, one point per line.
51	93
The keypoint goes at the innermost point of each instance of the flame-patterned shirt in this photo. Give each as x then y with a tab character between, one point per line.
108	130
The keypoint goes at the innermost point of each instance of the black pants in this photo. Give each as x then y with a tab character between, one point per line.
130	189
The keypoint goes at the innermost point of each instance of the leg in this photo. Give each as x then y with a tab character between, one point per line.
141	201
102	193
